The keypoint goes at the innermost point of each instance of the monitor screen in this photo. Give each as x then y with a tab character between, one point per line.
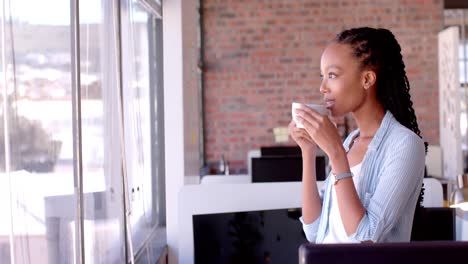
270	236
283	168
280	151
434	223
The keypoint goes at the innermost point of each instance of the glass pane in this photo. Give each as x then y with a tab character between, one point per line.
463	59
5	221
39	129
102	171
138	51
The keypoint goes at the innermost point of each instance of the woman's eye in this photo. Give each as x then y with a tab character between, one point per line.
329	76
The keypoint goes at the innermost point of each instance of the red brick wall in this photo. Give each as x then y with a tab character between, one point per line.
262	55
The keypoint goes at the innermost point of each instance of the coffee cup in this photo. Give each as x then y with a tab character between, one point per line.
321	109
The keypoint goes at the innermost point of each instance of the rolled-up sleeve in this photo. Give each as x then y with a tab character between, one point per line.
311	229
399	179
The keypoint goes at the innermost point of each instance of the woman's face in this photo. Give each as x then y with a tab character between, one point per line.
342	79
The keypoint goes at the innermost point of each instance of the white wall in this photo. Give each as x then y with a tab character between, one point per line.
180	42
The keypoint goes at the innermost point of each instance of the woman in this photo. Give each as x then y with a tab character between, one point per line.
377	173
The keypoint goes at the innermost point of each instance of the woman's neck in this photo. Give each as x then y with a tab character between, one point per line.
368	118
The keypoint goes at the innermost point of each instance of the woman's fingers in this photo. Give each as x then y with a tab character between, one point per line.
292	128
310	125
302	133
298	133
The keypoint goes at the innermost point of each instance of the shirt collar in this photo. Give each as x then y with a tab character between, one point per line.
379	135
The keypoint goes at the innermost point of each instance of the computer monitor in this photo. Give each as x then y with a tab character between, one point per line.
283	168
384	253
434	224
265	236
280	151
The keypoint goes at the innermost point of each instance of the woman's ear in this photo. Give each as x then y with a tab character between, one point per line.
369	79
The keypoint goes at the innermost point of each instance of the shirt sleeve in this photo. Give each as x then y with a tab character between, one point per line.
400	177
311	229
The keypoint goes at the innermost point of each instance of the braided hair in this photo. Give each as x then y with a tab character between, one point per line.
378	50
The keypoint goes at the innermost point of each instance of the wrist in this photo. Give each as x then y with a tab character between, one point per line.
339	161
341	176
309	152
337	152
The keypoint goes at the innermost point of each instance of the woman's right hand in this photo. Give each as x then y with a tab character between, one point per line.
301	137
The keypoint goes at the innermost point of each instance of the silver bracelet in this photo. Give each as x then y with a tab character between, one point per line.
342	176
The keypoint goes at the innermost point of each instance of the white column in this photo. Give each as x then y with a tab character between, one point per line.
180	44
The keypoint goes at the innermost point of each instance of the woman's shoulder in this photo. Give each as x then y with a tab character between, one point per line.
399	135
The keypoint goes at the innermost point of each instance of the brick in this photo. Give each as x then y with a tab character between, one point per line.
262	55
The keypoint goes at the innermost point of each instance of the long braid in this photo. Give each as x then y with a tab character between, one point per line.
379	50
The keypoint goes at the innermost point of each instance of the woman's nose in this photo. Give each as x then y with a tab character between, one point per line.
323	89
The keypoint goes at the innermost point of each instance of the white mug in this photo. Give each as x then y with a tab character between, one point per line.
321	109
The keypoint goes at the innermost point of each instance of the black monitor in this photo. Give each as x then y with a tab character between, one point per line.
384	253
280	151
283	168
434	224
267	236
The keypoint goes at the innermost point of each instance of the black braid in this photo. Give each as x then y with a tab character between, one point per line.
379	50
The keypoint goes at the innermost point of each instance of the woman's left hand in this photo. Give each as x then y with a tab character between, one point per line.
321	130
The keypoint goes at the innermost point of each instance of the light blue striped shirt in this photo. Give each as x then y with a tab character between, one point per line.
391	178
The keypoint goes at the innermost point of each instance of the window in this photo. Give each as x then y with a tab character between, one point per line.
140	33
459	18
122	152
36	124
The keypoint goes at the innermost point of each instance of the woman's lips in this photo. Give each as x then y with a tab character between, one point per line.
329	104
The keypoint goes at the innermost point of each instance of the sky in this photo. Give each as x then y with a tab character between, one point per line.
57	12
54	12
